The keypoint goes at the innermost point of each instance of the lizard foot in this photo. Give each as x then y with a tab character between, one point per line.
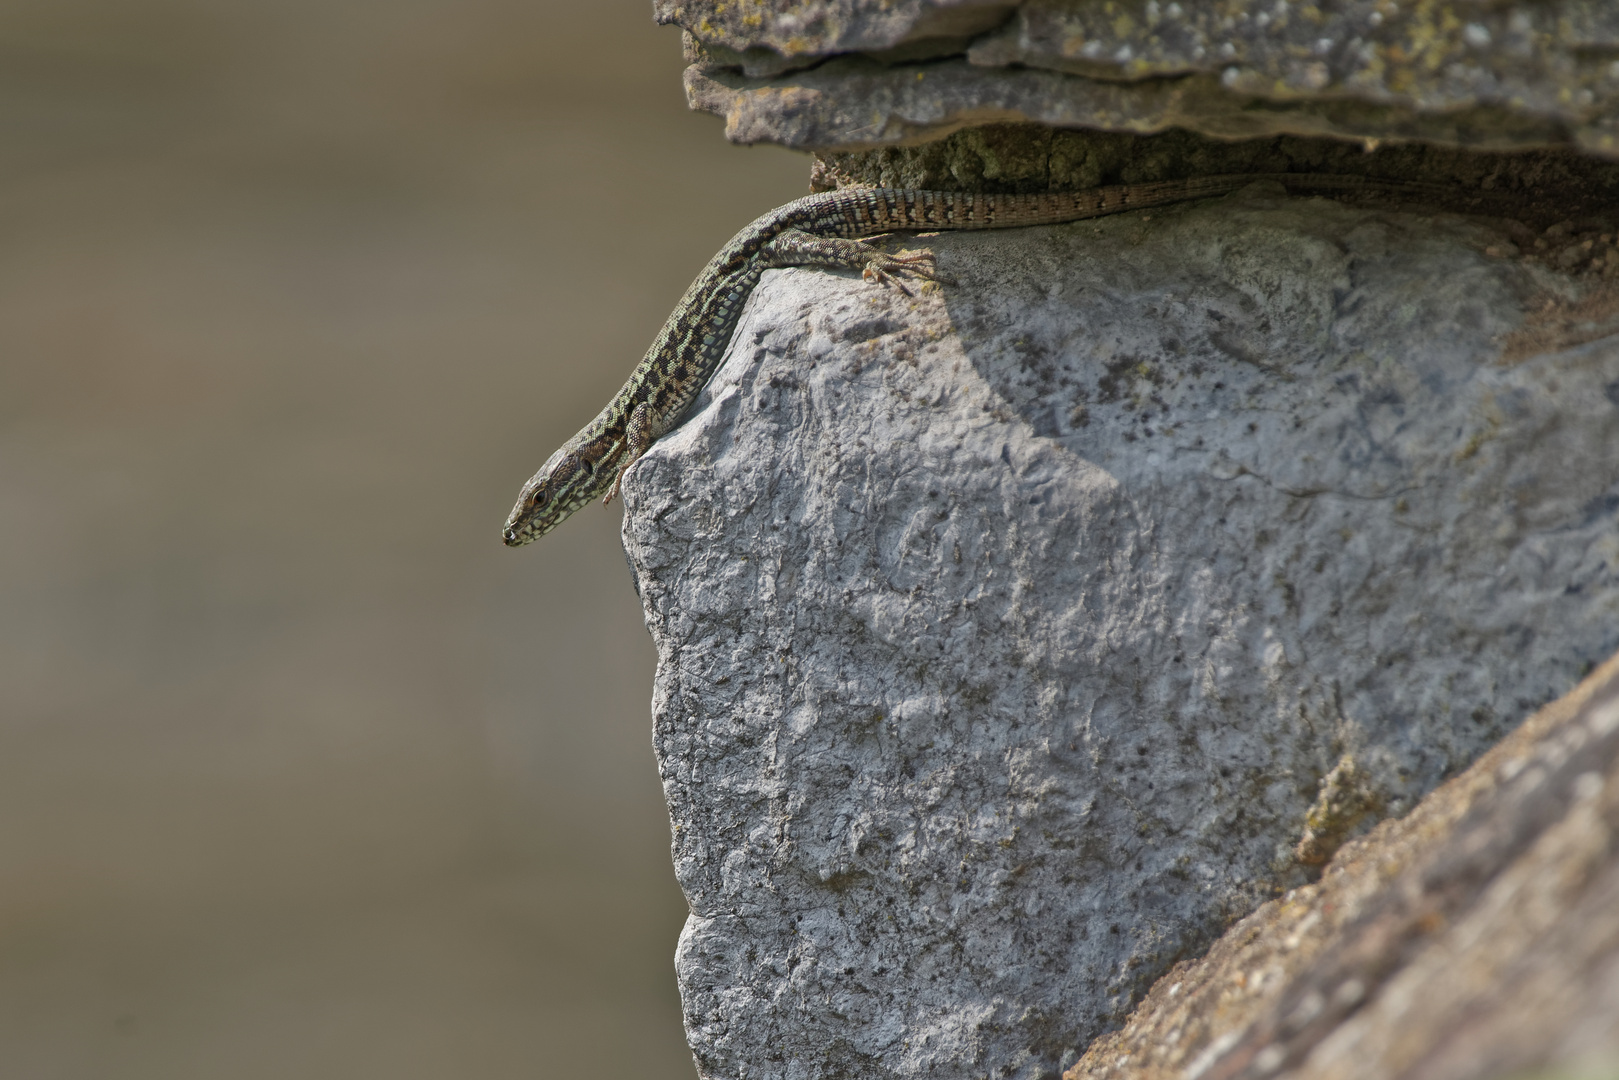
882	268
612	492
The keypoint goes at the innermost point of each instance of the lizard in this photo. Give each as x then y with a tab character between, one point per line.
833	230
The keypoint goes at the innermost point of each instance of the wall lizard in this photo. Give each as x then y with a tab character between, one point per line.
831	230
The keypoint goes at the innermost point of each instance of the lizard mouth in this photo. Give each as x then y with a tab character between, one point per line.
515	534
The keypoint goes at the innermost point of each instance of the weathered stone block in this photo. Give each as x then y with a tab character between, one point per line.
843	74
1012	634
1476	937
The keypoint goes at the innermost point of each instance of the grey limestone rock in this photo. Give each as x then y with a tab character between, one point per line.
861	73
1015	636
1476	937
815	28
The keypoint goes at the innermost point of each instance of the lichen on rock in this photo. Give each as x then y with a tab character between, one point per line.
1349	800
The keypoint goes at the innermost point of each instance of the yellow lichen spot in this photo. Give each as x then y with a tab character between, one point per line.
1478	439
752	21
1348	799
920	75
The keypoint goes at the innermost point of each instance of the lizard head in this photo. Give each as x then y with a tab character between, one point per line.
567	482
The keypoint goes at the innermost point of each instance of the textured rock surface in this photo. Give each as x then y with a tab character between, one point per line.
806	31
1546	185
851	73
770	36
1477	937
1012	635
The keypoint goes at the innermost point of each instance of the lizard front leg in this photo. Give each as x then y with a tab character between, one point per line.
637	438
794	247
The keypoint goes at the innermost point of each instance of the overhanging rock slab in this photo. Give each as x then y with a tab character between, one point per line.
850	74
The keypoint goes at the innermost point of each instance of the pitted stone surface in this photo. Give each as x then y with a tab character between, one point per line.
1478	936
1512	74
1008	633
819	27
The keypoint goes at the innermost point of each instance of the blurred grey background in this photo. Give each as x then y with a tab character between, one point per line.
301	772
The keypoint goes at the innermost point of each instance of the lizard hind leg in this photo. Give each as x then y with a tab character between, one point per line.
637	440
794	247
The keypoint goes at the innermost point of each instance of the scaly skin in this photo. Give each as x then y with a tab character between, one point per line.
822	230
